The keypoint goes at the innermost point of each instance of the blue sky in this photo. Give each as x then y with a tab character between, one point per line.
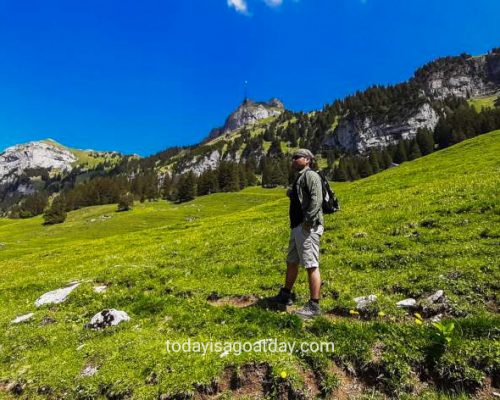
138	77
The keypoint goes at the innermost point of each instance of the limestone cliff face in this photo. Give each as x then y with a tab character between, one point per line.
17	159
248	113
462	76
360	134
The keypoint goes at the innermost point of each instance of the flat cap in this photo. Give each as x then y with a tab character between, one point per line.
304	153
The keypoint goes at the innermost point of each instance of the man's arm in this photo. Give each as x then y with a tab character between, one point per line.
314	187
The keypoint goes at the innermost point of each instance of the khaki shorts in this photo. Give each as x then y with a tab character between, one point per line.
303	247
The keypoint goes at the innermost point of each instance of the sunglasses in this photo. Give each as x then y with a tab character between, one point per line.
296	157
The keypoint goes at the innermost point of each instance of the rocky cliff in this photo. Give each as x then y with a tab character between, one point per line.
15	160
359	134
463	76
248	113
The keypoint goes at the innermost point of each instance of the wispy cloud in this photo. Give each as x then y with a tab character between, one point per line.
239	5
273	3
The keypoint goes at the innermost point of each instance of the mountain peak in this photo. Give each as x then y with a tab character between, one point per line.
248	112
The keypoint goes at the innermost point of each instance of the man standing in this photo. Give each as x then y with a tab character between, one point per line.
306	223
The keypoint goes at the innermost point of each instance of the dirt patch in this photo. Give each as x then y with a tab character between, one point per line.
377	351
247	381
234	301
487	391
349	386
311	385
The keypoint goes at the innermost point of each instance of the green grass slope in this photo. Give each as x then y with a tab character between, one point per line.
484	102
426	225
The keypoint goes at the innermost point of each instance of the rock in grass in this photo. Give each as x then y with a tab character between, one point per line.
89	370
365	301
437	318
406	303
22	318
100	289
434	298
107	318
56	296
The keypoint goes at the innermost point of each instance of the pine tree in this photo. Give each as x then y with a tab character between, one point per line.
186	189
228	176
364	167
166	186
386	159
208	183
374	160
339	173
414	151
125	202
56	213
425	141
401	155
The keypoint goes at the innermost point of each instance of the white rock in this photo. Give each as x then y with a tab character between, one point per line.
434	298
107	318
437	318
89	370
22	318
100	289
16	159
363	302
406	303
56	296
360	134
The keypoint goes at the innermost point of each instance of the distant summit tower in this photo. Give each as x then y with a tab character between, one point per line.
245	96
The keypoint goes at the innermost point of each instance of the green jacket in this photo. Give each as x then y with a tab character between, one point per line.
309	189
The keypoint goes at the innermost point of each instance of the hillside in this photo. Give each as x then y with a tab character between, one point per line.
446	101
186	271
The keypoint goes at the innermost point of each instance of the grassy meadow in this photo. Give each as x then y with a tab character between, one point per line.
198	271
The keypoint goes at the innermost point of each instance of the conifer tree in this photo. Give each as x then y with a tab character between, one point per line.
186	189
56	213
425	141
401	155
414	151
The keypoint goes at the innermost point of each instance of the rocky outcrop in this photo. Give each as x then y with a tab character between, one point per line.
34	155
463	76
248	113
359	134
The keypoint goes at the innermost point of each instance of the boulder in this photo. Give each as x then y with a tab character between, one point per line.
22	318
436	297
56	296
406	303
107	318
363	302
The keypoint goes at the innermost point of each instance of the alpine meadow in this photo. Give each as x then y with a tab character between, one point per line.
199	271
249	200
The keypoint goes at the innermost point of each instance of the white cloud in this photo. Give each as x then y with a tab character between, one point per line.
273	3
239	5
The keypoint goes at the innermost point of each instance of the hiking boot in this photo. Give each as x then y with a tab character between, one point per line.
283	298
310	310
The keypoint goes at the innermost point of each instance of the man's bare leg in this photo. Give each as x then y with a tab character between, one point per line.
292	270
314	282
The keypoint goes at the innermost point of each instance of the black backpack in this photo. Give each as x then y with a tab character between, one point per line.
330	202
